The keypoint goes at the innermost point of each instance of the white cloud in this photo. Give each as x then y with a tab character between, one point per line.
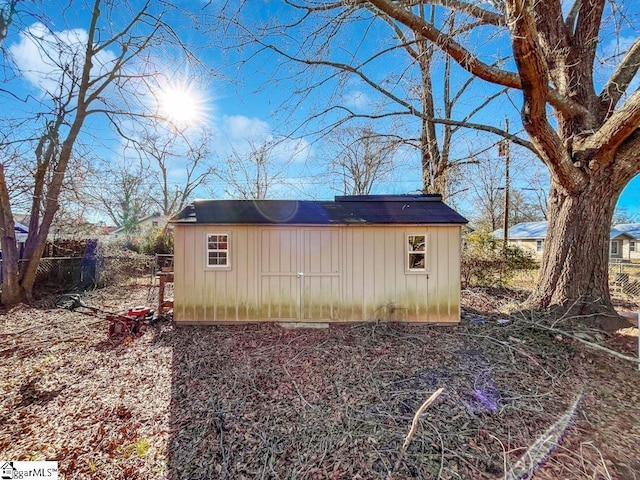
238	129
240	134
357	99
292	150
48	60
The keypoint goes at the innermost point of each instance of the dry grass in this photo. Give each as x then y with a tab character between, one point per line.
262	402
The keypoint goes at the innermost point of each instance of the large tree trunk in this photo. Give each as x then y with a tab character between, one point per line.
574	270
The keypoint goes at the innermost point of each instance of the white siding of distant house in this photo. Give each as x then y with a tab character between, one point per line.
144	225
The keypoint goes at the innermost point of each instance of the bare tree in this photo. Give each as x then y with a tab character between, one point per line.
587	138
436	136
180	164
363	159
126	197
622	215
487	185
317	47
90	73
525	207
251	174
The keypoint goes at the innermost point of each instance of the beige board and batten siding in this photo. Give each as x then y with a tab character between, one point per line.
317	273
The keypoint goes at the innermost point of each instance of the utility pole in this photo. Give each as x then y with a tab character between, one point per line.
503	151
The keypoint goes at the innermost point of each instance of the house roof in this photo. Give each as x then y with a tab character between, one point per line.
143	219
538	231
631	229
614	234
525	231
358	209
21	231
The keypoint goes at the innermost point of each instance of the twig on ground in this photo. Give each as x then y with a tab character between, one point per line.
604	464
414	428
504	451
295	385
591	345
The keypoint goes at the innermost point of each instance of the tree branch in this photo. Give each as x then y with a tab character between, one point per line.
587	30
486	16
622	124
619	82
535	87
469	61
570	22
443	121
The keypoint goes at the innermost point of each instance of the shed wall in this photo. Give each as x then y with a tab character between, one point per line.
309	273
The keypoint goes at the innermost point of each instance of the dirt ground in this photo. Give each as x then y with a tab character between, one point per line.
264	402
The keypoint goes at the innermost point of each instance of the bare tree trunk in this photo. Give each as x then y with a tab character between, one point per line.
12	293
574	271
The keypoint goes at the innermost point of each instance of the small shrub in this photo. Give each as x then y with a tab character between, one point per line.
157	241
486	262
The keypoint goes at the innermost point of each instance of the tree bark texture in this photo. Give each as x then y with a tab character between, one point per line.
574	270
12	292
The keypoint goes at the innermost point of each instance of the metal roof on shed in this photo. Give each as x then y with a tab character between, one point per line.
358	209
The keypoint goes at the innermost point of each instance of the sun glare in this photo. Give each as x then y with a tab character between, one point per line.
181	104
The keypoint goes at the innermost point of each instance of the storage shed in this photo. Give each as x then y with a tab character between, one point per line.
371	257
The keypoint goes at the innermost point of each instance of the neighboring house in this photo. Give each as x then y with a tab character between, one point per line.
527	235
630	247
143	225
21	231
530	237
67	228
369	257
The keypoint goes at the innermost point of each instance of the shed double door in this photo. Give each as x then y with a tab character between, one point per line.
300	273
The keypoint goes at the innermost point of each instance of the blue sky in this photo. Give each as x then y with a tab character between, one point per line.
250	102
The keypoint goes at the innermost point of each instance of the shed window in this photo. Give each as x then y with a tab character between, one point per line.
416	248
539	245
217	250
632	246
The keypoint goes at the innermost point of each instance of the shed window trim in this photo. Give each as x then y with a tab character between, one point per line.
416	252
218	250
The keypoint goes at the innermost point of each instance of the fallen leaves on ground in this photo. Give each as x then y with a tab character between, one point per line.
263	402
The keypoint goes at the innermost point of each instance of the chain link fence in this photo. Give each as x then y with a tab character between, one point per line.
624	280
86	273
62	271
